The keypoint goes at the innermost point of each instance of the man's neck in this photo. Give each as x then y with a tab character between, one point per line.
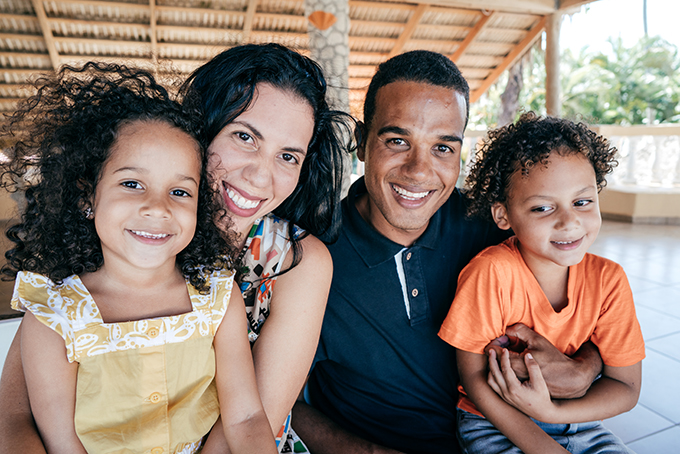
374	218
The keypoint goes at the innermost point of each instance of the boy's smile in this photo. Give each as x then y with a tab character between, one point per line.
553	211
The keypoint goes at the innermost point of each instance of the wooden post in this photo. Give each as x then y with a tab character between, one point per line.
553	103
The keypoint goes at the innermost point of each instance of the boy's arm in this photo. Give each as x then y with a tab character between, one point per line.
514	424
566	377
17	428
246	426
51	383
616	392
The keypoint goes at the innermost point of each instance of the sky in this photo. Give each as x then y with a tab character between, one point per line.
604	18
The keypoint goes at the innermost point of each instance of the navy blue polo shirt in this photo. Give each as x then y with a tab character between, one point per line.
378	372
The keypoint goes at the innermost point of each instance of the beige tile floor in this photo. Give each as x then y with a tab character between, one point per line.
650	254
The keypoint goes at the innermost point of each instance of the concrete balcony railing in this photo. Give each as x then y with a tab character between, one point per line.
645	186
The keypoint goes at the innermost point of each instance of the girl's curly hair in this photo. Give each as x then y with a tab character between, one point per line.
524	144
64	135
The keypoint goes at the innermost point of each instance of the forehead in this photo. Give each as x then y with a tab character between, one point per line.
404	103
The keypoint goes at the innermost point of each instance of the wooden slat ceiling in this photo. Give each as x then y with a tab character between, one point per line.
483	37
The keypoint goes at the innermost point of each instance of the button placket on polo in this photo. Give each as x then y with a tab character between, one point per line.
415	283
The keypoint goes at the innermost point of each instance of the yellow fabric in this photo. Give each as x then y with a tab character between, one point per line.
145	386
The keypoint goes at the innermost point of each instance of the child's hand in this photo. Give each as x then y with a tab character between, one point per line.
531	397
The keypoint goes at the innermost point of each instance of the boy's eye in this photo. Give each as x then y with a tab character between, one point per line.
582	202
131	184
541	209
180	193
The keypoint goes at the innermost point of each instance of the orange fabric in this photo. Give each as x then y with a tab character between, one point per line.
497	290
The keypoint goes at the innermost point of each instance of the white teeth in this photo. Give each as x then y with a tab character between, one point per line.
410	195
241	202
149	235
562	242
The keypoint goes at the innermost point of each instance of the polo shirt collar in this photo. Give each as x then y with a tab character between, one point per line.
372	246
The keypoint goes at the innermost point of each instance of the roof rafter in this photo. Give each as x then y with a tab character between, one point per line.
408	29
527	42
472	34
47	33
248	22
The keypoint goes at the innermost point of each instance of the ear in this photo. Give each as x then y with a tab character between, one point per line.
86	201
500	216
360	137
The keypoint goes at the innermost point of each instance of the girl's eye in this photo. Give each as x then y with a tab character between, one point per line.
289	157
131	184
582	202
180	193
542	209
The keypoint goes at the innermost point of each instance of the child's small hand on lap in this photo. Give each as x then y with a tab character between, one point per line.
531	396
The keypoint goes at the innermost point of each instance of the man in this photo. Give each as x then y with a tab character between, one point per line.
382	379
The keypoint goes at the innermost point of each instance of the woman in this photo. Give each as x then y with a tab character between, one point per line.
277	158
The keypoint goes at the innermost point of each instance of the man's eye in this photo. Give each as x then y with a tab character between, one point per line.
397	142
444	149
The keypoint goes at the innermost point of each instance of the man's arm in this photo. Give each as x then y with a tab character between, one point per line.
17	428
566	377
323	436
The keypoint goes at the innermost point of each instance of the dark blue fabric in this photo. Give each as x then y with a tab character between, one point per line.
378	374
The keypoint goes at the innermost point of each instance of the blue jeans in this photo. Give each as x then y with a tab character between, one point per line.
476	435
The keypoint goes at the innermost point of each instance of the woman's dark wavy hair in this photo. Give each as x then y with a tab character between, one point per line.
529	142
225	87
65	135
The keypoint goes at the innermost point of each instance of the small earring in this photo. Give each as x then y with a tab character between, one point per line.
88	213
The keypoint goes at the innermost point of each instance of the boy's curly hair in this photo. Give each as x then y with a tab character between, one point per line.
64	135
524	144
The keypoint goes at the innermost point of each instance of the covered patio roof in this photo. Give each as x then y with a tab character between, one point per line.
484	37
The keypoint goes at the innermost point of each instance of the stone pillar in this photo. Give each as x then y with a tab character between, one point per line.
553	103
330	47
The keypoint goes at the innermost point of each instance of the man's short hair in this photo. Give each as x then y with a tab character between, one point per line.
416	66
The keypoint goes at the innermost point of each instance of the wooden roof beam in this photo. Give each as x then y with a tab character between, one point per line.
528	40
248	22
472	34
47	33
540	7
152	23
408	30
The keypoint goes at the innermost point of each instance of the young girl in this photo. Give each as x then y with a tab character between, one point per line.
132	329
540	177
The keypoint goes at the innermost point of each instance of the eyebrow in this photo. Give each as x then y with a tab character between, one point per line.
541	196
145	171
259	135
405	132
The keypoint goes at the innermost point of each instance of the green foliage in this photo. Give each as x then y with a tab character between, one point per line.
636	85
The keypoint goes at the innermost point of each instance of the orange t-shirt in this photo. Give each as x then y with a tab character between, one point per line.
497	289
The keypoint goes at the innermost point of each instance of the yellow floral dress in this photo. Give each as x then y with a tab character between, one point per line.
144	386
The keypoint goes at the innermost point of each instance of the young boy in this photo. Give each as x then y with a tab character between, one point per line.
540	177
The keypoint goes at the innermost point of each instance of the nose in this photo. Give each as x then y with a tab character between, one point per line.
567	219
259	170
156	205
418	163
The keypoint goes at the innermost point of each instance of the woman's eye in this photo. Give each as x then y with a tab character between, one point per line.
289	157
245	137
131	184
180	193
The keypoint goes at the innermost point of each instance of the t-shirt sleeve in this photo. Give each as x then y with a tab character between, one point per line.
476	314
618	335
38	295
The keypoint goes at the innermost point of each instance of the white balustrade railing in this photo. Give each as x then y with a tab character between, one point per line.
649	156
